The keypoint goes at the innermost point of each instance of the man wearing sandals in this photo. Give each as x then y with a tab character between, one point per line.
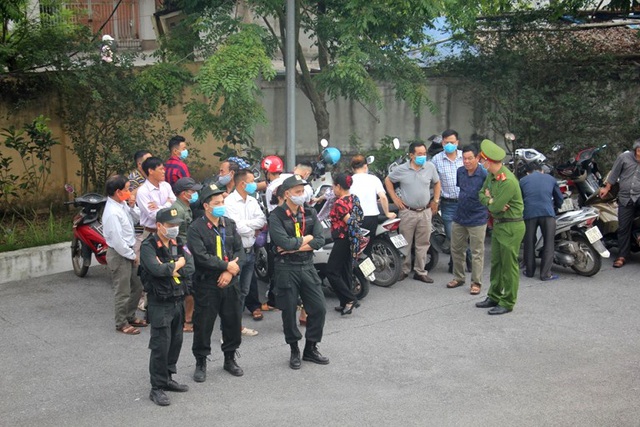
166	266
625	171
469	221
118	218
501	194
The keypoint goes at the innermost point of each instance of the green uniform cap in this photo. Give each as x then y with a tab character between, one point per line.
492	151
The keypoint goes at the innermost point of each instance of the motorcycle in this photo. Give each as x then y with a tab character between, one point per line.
363	272
578	242
87	232
386	251
584	175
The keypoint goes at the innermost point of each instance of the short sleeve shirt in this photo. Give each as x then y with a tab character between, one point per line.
415	185
367	187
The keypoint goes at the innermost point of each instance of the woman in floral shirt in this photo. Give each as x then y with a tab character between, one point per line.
345	216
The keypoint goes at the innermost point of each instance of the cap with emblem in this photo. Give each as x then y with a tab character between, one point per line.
292	181
168	216
208	191
184	184
491	151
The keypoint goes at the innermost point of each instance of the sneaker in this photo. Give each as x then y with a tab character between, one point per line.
248	332
550	277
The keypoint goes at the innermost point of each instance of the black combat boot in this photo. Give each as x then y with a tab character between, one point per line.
230	364
200	375
294	360
311	354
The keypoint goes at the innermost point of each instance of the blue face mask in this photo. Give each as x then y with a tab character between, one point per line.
184	153
251	187
194	198
420	160
450	148
218	211
224	179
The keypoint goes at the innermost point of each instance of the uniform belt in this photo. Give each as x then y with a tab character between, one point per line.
416	209
150	230
501	220
248	250
445	199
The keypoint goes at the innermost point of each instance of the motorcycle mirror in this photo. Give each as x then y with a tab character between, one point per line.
256	173
437	139
396	143
510	136
371	159
324	143
556	147
69	188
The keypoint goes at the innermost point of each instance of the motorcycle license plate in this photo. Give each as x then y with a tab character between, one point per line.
399	241
567	205
367	267
593	234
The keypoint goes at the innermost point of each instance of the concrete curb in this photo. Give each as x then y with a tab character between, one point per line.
35	262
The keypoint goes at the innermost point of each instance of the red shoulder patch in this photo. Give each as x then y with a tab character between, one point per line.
501	177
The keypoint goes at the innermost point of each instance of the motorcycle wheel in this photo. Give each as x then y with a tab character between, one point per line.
79	267
360	284
388	262
589	261
262	265
432	258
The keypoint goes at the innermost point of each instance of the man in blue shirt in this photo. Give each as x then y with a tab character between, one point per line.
540	193
469	221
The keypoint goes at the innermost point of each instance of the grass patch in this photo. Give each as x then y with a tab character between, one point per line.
26	230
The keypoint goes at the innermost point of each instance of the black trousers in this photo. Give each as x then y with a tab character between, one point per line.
339	270
626	214
293	282
370	223
547	225
165	342
211	301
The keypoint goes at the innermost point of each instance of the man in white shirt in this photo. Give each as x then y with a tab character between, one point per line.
244	209
303	169
153	195
118	219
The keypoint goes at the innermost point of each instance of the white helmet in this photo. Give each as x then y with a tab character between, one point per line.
107	38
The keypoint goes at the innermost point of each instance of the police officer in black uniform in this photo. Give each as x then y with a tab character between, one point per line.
218	255
295	233
164	265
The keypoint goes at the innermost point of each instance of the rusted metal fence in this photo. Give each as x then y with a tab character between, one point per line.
123	25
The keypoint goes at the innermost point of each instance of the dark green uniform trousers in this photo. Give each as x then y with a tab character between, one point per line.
299	281
165	343
211	301
505	270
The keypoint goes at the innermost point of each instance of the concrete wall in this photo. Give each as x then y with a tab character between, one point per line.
347	118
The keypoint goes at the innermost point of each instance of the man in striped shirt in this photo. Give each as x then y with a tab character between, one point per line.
447	163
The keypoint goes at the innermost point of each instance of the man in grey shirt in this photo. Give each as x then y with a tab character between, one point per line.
625	171
416	208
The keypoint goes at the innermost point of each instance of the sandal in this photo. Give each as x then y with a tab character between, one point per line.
454	284
257	314
139	323
188	327
475	288
127	329
619	262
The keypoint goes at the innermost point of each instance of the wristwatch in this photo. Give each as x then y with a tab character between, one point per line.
437	201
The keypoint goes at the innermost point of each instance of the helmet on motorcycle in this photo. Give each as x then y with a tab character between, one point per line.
331	155
272	164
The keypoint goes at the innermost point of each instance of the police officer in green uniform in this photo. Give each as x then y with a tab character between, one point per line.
218	255
501	194
164	263
295	233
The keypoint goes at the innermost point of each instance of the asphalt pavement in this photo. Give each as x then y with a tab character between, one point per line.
411	355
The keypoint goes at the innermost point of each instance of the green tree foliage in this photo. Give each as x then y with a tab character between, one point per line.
34	38
110	111
549	87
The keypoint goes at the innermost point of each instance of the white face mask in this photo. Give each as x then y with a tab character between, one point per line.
172	232
298	200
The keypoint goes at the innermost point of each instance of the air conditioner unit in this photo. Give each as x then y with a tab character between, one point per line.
165	22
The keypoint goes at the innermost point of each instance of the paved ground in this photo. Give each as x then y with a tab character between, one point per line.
413	354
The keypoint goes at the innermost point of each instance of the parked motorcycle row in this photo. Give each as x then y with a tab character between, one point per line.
585	226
